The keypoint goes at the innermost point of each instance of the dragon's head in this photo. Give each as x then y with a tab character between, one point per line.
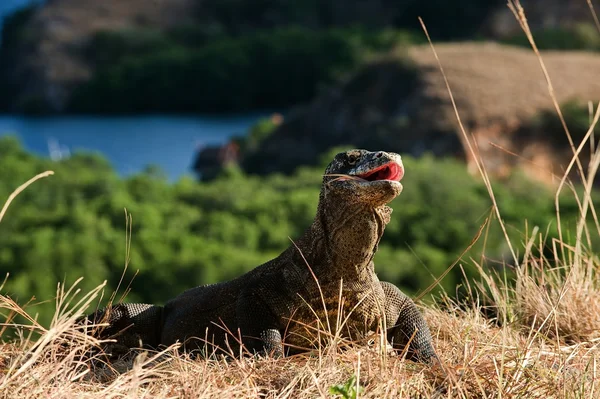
365	177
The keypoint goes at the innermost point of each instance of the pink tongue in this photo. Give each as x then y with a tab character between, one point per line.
395	172
391	171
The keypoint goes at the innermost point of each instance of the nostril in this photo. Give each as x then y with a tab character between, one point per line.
379	154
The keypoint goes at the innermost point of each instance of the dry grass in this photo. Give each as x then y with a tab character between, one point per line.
544	341
482	360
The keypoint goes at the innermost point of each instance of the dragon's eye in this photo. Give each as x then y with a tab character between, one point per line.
352	159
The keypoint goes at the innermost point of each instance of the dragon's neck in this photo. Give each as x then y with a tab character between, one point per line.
343	239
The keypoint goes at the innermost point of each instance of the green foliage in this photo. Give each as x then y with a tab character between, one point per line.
446	20
145	71
579	37
257	133
380	40
577	115
196	35
349	390
111	47
437	215
189	233
16	33
547	125
14	30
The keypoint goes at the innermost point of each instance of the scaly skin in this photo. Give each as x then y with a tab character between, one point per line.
276	307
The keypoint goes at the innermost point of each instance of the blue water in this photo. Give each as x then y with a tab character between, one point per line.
130	143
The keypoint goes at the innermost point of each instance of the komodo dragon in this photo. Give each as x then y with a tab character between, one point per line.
277	307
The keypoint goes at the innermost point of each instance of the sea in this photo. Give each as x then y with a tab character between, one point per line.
130	143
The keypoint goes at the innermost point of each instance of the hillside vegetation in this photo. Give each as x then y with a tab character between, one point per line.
148	71
188	233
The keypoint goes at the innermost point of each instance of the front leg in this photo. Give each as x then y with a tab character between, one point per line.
133	325
259	326
406	326
272	342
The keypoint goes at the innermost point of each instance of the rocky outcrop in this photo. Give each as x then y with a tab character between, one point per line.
498	89
210	160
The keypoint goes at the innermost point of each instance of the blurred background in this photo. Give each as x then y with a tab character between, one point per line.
211	122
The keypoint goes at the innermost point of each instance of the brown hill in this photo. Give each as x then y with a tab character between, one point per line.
498	90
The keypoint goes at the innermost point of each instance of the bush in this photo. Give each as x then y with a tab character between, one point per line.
197	35
148	72
445	19
14	27
16	34
258	132
547	125
579	37
107	48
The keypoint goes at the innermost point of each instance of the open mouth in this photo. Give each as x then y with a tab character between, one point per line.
390	171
